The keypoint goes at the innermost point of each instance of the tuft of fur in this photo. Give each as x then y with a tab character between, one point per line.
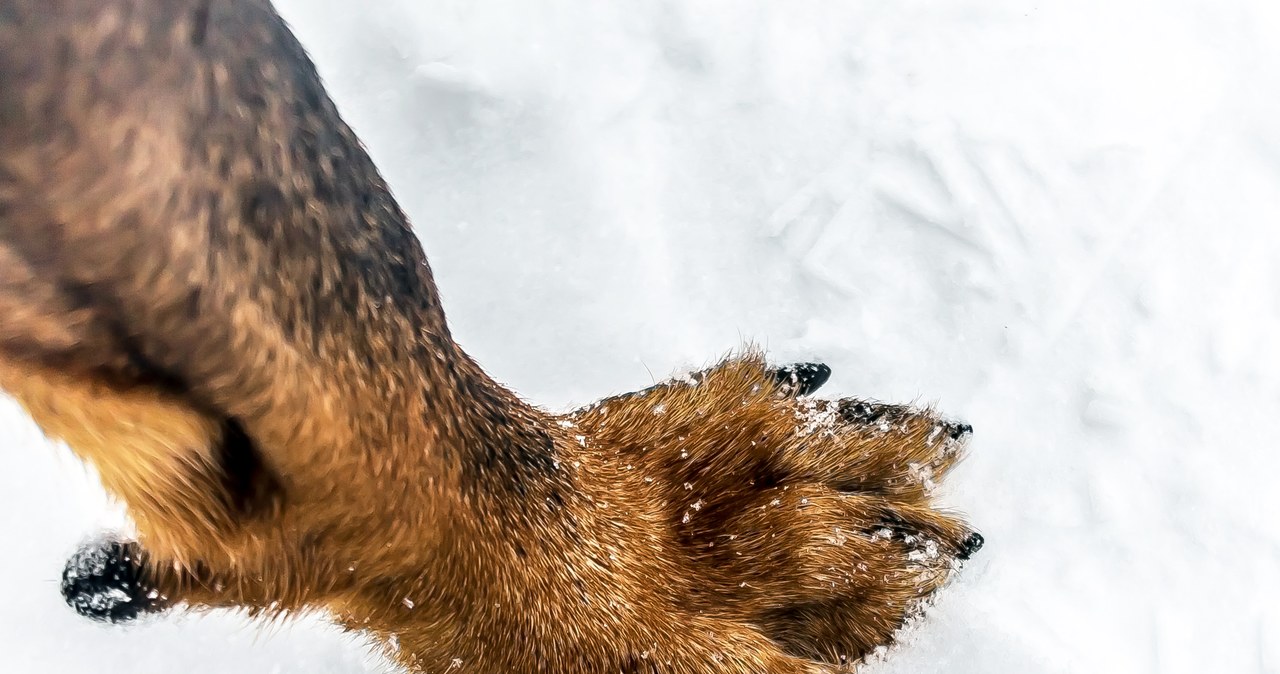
208	292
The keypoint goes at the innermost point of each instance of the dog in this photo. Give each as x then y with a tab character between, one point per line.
208	292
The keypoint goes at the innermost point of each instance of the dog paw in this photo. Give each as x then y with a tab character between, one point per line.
103	581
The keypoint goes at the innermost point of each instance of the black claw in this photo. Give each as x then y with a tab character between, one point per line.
959	431
103	581
971	545
801	379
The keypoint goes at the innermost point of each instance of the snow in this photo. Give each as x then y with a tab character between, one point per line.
1058	220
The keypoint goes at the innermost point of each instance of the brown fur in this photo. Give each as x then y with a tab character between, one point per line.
208	292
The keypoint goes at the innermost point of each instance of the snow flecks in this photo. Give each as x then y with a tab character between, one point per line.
922	474
922	550
688	377
818	416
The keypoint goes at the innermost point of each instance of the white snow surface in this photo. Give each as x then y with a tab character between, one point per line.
1058	220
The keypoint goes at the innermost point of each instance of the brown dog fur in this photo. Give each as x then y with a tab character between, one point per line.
208	292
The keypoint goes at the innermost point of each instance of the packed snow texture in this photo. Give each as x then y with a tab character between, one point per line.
1058	220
